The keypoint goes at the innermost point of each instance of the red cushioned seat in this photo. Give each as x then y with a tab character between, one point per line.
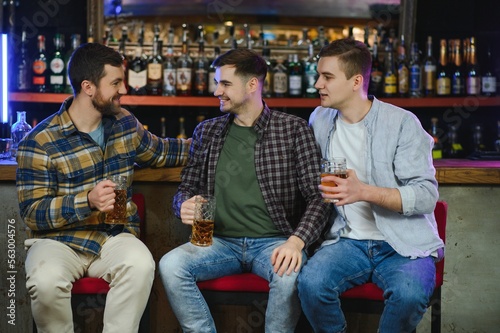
240	282
90	285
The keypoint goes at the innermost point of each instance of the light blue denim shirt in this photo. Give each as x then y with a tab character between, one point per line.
398	155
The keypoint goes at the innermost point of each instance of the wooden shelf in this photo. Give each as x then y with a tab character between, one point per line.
210	101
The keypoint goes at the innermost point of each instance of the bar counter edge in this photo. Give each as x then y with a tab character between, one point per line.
448	171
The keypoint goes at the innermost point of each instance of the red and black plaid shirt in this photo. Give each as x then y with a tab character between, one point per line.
287	163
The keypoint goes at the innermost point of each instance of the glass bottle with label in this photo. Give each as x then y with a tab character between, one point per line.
268	82
39	67
23	68
488	78
376	75
137	74
435	132
123	52
295	71
473	78
155	68
453	147
169	67
75	43
429	81
184	67
18	130
390	73
457	74
182	131
443	76
200	84
310	73
56	76
415	69
280	79
403	70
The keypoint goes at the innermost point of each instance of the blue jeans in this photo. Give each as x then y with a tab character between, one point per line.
407	284
186	264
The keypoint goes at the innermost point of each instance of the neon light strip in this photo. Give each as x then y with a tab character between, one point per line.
4	92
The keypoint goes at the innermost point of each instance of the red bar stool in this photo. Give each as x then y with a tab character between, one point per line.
248	288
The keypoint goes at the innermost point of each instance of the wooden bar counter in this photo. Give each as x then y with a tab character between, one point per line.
448	171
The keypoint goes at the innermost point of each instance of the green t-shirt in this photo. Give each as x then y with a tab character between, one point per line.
240	210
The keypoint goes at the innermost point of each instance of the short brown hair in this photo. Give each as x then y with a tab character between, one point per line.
247	63
354	58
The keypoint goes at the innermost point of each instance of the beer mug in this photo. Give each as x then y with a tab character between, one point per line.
203	224
119	213
336	166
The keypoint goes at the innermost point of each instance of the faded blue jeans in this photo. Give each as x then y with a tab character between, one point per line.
407	284
186	264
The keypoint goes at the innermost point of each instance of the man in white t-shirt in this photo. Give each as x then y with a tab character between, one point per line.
383	228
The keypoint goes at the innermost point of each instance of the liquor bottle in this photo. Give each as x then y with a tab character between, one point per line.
18	130
268	81
182	131
163	126
280	79
304	41
457	74
295	71
154	70
453	147
403	70
310	73
415	69
429	81
488	78
443	76
200	68
169	67
75	43
184	66
477	137
56	72
137	74
366	36
435	132
376	75
497	141
212	86
321	40
473	78
123	52
230	41
390	74
23	68
39	67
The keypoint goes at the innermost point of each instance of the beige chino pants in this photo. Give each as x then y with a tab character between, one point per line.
51	267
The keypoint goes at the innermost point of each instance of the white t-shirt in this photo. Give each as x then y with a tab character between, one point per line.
349	141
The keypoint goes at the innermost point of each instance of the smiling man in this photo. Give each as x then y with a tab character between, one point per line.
263	168
383	228
63	196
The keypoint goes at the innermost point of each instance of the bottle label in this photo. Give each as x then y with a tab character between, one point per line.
473	85
390	86
295	84
183	79
169	78
443	86
56	79
415	79
310	79
376	77
403	82
430	77
137	80
38	80
57	65
489	84
155	71
457	85
280	83
39	67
